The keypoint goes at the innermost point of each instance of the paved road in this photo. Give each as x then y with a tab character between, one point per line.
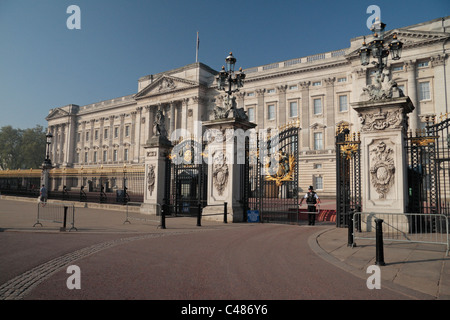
242	262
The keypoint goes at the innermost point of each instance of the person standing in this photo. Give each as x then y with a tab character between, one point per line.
312	200
43	194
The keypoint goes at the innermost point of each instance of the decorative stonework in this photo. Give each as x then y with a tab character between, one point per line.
382	169
159	127
381	120
166	84
151	178
383	88
229	110
220	172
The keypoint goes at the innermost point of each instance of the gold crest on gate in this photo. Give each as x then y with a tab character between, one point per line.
280	167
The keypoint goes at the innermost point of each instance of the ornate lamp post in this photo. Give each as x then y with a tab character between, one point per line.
47	162
228	80
378	49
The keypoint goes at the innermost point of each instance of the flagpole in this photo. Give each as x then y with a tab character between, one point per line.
196	50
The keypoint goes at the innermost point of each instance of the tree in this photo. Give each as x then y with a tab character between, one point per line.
33	147
22	149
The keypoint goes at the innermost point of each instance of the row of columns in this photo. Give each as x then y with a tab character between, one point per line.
65	143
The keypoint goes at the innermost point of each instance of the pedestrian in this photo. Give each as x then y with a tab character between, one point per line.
43	195
312	200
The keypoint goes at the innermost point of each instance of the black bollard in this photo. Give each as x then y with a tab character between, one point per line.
163	216
225	213
350	242
199	215
379	243
63	228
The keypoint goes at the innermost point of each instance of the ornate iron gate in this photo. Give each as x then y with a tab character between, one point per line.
186	184
348	176
429	169
272	184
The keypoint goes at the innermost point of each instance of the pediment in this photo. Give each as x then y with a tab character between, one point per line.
165	84
410	38
57	113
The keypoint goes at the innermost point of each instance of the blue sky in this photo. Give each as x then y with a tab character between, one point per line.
44	65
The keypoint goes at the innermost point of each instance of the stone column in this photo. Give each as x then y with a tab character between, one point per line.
184	113
225	164
111	136
156	153
384	165
305	115
330	112
410	68
282	115
139	126
172	117
61	141
121	136
438	62
260	108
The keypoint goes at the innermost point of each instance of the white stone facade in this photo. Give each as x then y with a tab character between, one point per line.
316	91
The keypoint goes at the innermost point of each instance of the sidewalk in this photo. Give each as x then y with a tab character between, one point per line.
424	268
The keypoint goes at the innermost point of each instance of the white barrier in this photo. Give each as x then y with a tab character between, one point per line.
404	227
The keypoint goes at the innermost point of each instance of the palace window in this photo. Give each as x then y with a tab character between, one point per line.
116	132
317	104
318	141
271	112
293	109
106	134
424	91
127	131
105	155
318	182
95	156
251	114
343	103
115	155
125	155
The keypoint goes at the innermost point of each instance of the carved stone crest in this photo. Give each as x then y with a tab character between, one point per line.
151	178
382	169
220	172
280	167
381	120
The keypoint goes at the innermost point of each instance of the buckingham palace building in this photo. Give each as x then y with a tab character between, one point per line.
315	91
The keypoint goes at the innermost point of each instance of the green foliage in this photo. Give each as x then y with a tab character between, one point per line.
22	148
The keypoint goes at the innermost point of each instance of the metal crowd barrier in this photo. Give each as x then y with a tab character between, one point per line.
55	212
403	227
137	216
164	211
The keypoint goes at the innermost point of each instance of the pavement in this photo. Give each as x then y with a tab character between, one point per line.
419	270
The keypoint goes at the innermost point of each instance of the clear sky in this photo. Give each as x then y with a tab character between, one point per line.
44	65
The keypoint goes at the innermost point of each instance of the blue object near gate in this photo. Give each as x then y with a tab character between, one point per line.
185	208
252	215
